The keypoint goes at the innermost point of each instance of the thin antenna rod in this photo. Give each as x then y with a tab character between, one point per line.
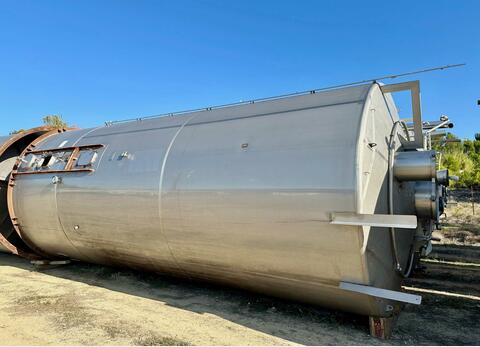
419	71
290	94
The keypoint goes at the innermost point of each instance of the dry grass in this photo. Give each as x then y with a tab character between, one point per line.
64	309
461	226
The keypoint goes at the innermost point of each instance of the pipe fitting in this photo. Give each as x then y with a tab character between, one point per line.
414	166
442	177
427	200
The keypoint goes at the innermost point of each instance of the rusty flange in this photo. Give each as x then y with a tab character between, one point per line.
25	248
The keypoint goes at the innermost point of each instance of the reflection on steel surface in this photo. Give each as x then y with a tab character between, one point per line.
240	195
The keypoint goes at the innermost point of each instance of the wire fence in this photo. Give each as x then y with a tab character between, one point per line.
466	195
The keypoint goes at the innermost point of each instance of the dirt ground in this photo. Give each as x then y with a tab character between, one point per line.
80	304
461	226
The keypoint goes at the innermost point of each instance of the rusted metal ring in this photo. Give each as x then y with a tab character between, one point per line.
34	252
14	139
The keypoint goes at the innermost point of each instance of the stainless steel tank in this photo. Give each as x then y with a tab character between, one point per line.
288	197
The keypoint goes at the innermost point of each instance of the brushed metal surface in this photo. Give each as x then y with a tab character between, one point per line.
240	195
382	293
415	166
375	220
426	199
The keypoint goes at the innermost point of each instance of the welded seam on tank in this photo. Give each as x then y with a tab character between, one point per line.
358	151
358	182
84	135
200	114
60	221
56	201
259	100
160	193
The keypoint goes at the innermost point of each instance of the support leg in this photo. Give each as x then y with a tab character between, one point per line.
381	327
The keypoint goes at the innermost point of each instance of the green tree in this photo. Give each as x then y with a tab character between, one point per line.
54	120
462	159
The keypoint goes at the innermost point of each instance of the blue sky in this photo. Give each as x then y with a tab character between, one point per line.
93	61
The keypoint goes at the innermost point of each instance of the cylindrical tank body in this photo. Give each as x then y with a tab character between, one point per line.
240	195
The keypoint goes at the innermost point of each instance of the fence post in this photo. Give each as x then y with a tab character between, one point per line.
473	201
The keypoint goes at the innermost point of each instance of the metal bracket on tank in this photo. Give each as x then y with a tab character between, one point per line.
381	293
374	220
414	88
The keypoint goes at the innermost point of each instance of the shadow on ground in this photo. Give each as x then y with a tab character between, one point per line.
439	320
